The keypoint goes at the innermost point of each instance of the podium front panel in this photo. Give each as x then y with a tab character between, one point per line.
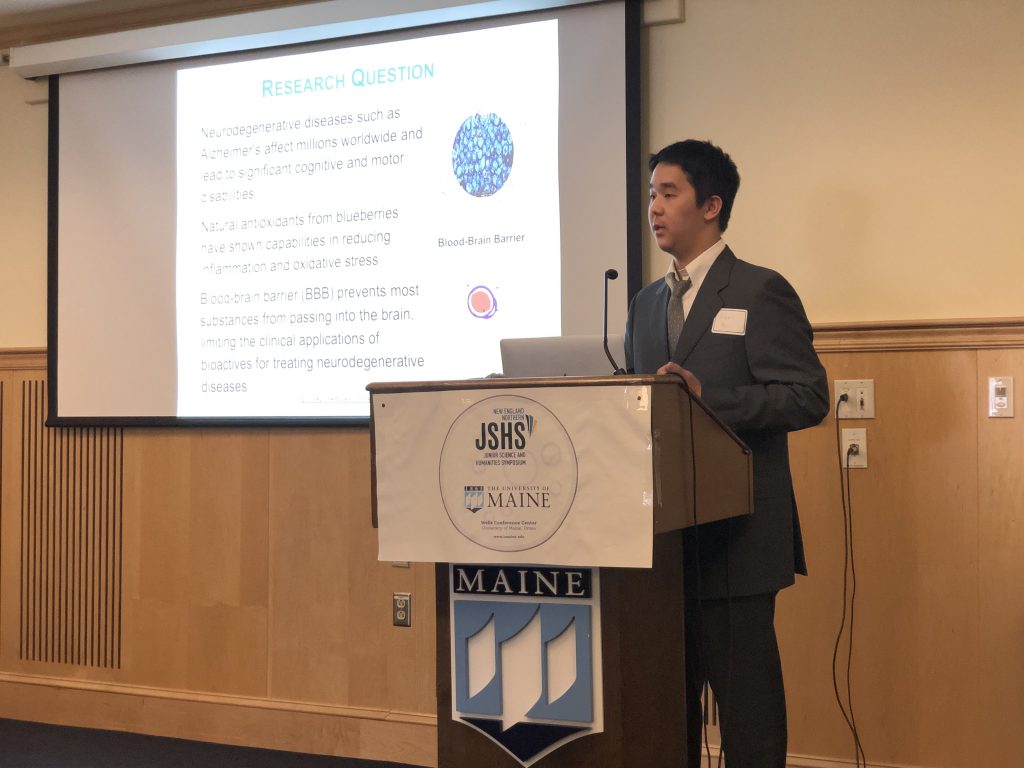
544	475
637	673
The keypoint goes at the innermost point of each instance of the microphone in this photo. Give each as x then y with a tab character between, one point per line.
609	274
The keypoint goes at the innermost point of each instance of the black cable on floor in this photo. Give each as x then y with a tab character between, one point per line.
859	756
849	596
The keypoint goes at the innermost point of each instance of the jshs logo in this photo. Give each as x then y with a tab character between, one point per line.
525	647
504	435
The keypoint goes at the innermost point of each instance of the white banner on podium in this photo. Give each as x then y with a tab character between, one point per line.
546	475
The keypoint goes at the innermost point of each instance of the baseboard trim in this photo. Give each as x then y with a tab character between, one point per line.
807	761
325	729
341	731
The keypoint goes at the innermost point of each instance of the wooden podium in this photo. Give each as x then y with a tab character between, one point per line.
699	472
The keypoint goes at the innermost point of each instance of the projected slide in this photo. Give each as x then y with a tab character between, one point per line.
385	212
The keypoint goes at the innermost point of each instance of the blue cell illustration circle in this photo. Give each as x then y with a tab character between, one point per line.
482	154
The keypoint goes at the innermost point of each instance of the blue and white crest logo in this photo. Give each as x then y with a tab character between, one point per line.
474	498
526	655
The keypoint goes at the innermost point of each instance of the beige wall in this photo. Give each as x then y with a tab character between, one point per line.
22	212
879	144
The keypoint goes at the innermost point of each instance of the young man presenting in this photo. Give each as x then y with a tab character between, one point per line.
738	335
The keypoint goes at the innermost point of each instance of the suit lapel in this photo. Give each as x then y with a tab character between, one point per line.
705	306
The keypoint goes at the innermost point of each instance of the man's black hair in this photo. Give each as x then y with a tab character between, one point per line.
709	169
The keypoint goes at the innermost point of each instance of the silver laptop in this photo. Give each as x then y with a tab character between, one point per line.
560	356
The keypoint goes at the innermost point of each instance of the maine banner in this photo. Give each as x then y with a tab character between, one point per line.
546	475
526	655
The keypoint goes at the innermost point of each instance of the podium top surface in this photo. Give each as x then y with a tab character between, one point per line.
505	382
499	382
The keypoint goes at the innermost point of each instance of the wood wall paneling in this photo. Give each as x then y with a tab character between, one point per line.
198	577
70	539
236	542
10	529
332	638
254	610
1000	626
4	602
916	693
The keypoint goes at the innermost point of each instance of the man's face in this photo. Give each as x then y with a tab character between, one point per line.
680	226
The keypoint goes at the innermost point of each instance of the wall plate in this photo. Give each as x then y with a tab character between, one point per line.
1000	397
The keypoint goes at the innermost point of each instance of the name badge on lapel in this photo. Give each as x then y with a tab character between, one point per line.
731	321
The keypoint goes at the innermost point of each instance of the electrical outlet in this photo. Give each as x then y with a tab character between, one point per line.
855	448
860	398
401	609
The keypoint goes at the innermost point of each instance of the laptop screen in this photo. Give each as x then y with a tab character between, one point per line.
560	356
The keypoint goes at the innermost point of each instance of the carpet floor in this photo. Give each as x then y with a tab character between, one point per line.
36	745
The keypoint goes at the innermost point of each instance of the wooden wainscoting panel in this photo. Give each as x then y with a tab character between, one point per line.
916	694
197	571
1000	738
331	633
10	520
157	478
255	611
71	540
423	696
4	537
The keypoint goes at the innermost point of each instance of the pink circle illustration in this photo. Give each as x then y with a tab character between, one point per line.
481	302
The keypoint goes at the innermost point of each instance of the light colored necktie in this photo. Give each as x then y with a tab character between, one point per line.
675	310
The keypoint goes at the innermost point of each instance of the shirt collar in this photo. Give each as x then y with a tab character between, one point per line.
698	268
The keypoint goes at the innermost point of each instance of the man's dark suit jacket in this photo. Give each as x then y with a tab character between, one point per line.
764	384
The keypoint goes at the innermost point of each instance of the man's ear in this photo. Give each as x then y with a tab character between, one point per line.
712	207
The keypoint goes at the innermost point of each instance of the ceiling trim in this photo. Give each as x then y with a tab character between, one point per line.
258	29
95	18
